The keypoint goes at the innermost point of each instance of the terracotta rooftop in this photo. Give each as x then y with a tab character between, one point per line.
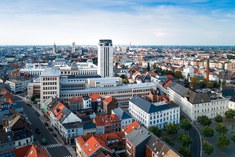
106	120
31	151
129	128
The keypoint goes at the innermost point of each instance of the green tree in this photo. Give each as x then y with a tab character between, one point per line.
148	67
194	82
155	130
204	120
33	98
209	85
221	128
178	74
171	129
207	148
222	141
123	76
155	66
230	114
124	81
185	124
218	118
233	137
207	131
168	140
185	152
185	139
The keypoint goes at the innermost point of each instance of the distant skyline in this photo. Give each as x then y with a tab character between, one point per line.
141	22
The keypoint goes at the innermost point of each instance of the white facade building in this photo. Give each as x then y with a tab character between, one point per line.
195	104
105	58
158	114
49	84
18	85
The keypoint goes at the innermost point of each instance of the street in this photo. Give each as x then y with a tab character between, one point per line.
55	149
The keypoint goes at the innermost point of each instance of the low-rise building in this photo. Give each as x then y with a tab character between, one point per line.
107	123
124	116
195	104
153	114
91	145
17	86
141	143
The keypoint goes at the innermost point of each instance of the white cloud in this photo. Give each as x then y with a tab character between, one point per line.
156	25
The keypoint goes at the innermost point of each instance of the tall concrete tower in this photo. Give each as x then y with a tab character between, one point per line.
73	47
54	49
105	58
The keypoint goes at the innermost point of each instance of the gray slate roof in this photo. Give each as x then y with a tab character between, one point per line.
148	107
121	113
138	136
73	125
197	98
178	88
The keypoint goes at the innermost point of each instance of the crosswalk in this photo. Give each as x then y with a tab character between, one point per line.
53	145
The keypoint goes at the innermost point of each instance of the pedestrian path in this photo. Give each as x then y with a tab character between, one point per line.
53	145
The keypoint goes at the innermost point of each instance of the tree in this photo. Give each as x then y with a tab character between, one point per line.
222	141
148	67
209	85
221	128
185	139
233	137
230	114
168	140
123	76
204	120
124	81
155	66
171	129
194	82
155	130
33	98
178	74
207	131
185	152
185	124
218	118
207	148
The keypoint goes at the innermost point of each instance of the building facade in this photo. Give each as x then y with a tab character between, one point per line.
105	58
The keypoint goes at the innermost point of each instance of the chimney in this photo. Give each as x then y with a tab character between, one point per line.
207	70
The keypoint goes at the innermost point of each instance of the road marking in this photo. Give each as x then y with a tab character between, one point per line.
53	145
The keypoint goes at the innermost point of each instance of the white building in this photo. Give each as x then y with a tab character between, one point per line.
105	58
232	103
125	117
49	84
195	104
104	82
18	85
157	114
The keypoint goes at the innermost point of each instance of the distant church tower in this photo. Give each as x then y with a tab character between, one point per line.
105	58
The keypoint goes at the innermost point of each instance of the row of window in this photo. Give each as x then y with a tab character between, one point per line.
49	83
49	78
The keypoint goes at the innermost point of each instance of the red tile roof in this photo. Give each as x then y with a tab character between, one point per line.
129	128
169	76
94	97
30	151
106	120
57	111
91	143
76	99
167	84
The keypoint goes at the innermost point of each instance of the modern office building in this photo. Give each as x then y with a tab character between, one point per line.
105	58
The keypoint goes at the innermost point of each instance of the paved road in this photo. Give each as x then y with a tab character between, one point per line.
54	149
196	143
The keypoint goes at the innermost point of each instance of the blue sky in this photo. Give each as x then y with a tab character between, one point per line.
152	22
